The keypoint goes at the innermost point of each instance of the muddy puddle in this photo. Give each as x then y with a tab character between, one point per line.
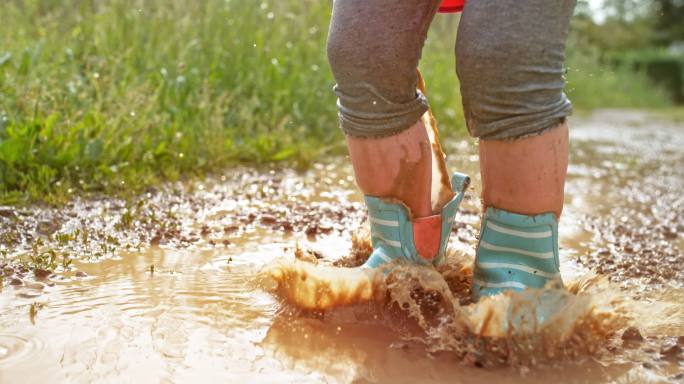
169	288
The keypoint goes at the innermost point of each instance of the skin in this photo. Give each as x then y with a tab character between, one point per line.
397	167
527	175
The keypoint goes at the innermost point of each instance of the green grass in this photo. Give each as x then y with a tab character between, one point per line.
114	96
591	85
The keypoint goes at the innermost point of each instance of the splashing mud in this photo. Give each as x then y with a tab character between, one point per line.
441	192
167	287
506	329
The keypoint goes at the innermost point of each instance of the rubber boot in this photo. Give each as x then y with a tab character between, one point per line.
396	237
515	252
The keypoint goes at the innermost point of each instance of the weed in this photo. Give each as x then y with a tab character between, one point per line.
33	311
64	238
126	221
46	261
66	262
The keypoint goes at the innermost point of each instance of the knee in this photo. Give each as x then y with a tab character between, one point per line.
357	59
511	87
482	60
374	64
340	52
351	57
376	85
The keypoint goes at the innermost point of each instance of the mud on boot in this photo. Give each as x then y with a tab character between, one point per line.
396	237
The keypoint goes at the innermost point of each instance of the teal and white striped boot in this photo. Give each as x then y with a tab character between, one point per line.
423	241
515	252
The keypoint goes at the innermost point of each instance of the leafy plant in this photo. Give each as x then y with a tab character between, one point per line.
66	262
34	308
46	260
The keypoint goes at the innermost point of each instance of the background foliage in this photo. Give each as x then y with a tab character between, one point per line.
114	96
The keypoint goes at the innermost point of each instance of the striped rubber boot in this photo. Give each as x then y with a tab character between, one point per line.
515	252
396	237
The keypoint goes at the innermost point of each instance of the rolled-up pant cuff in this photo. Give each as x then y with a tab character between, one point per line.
372	117
520	126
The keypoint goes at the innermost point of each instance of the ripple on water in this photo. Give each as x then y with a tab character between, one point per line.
15	349
26	358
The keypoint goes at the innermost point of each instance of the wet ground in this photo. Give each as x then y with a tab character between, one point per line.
164	288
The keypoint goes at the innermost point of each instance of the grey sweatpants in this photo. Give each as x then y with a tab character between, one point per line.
509	56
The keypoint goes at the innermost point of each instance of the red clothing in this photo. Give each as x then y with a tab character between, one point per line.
450	6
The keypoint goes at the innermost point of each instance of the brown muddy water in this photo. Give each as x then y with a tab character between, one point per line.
171	287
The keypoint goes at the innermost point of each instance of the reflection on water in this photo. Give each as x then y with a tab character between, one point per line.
201	315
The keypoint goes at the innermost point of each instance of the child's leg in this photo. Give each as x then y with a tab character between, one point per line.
510	57
397	166
374	47
527	175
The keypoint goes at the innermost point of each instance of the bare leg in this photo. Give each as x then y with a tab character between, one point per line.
522	192
398	166
525	176
511	76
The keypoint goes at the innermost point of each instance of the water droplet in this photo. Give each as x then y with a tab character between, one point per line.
314	68
274	61
270	15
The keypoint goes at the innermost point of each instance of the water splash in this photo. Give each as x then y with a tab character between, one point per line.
521	328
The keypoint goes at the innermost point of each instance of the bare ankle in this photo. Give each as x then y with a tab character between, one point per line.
397	167
525	176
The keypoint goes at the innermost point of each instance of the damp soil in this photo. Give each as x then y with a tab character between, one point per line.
166	287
